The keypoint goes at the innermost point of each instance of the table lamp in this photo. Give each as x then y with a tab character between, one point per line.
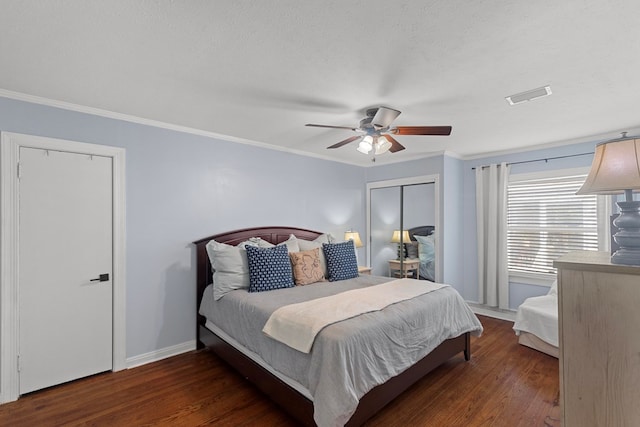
355	236
616	170
396	238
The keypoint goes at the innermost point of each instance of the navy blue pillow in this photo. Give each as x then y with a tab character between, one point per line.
269	268
341	260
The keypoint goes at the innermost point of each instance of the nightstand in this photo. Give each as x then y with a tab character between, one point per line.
364	270
410	267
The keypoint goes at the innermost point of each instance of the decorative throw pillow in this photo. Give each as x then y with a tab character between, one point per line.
269	268
306	267
307	245
341	260
426	248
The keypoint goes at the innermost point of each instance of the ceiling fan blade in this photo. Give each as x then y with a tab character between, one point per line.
395	145
331	127
421	130
345	142
384	117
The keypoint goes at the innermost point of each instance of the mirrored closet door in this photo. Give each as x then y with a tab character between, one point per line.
401	227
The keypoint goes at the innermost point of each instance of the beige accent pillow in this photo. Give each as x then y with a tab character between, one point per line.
306	267
307	245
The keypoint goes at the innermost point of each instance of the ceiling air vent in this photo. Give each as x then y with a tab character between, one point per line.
529	95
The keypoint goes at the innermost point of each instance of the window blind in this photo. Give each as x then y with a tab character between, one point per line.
546	219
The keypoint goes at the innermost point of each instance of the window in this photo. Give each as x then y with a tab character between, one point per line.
546	219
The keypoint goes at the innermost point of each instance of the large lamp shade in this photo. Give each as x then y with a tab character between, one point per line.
616	170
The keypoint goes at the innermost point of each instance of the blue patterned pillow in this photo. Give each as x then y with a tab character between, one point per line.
341	260
269	268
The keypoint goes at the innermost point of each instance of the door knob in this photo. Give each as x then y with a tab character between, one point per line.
101	278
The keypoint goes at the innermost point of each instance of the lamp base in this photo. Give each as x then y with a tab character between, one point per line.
402	251
626	257
628	236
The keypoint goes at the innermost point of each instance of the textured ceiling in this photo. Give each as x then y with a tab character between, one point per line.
258	71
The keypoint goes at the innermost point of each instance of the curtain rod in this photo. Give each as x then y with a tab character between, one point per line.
546	159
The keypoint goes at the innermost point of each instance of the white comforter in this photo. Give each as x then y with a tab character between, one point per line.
539	316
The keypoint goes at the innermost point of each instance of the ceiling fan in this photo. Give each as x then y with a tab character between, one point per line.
375	131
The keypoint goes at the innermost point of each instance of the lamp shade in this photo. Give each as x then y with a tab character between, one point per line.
382	145
615	168
396	236
365	145
355	236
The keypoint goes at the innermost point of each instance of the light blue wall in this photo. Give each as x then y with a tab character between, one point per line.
452	235
426	166
419	208
182	187
518	291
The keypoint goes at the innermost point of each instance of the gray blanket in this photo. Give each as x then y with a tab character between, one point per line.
350	357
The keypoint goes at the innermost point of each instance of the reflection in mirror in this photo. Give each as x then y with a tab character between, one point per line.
385	218
410	208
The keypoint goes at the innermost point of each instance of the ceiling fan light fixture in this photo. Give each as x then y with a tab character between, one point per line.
382	145
365	145
376	130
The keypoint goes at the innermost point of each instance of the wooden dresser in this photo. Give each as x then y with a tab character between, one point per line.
599	321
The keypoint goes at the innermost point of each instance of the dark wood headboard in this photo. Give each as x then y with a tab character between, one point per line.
273	235
423	230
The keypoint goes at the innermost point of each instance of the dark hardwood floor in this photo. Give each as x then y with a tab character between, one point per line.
504	384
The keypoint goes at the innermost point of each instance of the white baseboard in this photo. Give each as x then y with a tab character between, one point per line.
508	315
163	353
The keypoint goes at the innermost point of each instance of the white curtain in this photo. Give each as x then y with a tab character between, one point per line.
491	209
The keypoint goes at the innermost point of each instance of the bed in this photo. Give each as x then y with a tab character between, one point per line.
422	247
283	387
536	322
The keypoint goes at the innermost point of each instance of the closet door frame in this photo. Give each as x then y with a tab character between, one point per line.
424	179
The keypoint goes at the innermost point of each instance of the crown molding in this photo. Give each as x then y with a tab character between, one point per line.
19	96
595	139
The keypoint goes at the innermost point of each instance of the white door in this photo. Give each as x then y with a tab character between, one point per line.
65	241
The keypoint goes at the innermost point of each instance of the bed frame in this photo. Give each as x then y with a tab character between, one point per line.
423	230
284	395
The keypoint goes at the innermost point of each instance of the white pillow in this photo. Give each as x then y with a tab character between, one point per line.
230	265
553	290
292	244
